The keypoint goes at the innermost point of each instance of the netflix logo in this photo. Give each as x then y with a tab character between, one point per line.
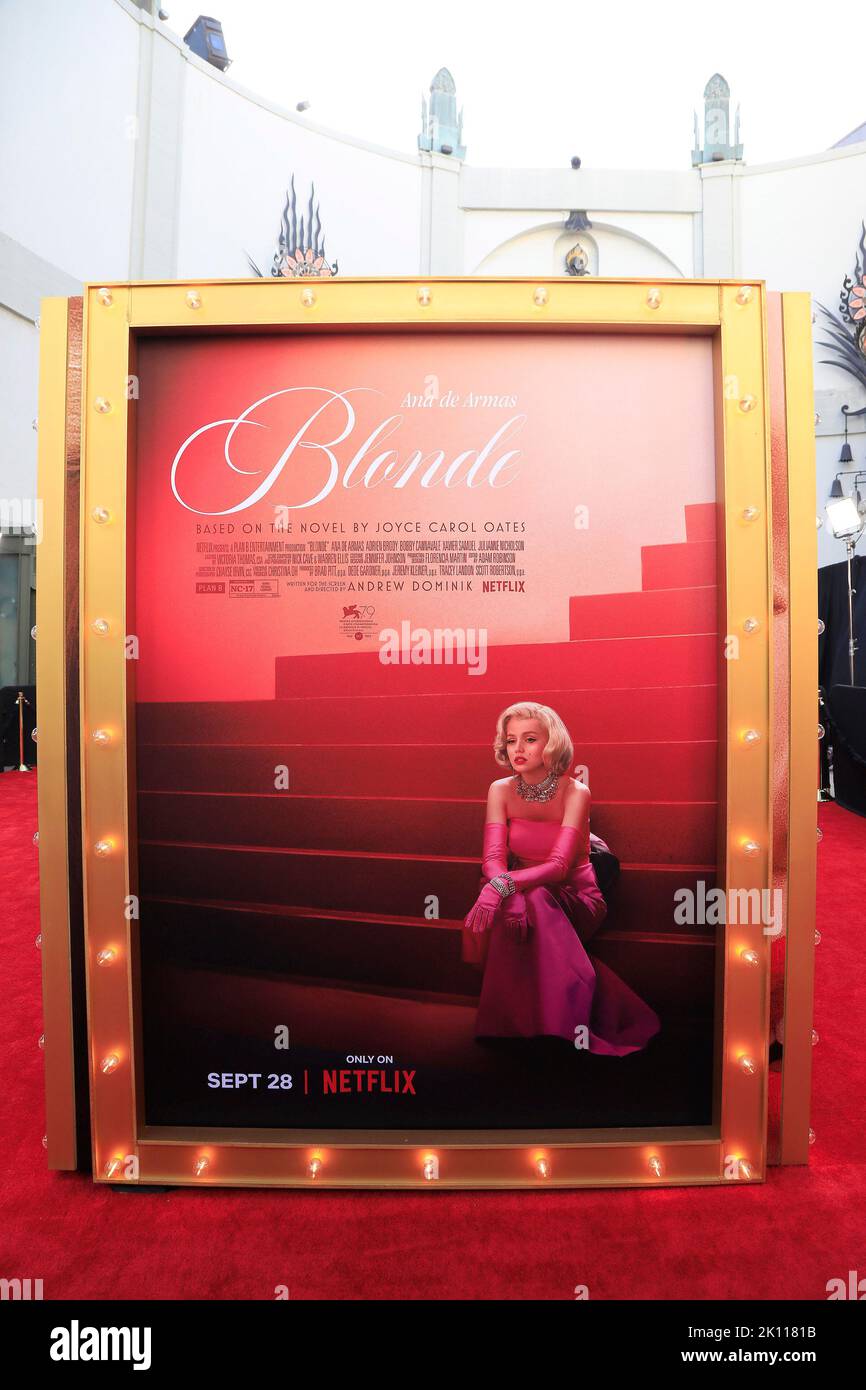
354	1081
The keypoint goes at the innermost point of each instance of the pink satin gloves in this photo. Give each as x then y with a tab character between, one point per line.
480	917
491	904
494	855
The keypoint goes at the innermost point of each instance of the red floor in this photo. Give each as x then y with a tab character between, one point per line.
782	1239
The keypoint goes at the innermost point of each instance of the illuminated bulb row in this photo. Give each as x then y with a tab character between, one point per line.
540	297
430	1165
101	515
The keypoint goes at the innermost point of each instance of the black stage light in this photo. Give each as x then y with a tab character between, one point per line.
206	39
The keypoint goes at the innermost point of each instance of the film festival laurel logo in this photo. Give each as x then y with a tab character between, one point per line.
357	621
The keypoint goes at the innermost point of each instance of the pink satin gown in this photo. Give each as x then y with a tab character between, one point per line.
546	984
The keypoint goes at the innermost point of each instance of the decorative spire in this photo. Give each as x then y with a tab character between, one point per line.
717	125
441	127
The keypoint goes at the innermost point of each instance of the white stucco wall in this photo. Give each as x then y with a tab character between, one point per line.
238	158
799	225
19	381
68	92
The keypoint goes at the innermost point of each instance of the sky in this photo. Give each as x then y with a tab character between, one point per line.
615	84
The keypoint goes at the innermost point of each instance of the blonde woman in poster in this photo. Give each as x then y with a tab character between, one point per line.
541	898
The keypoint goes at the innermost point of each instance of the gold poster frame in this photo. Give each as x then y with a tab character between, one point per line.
734	315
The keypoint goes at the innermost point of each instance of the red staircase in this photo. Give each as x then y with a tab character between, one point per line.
389	767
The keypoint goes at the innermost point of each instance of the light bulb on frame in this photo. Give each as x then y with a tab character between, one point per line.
745	1169
750	957
751	848
748	1065
101	737
103	848
542	1165
655	1166
101	515
107	957
751	625
201	1165
113	1167
109	1063
431	1168
750	737
100	627
315	1165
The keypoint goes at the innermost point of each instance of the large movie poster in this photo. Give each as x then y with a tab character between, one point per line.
426	729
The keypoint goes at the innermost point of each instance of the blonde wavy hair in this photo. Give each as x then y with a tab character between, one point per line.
558	753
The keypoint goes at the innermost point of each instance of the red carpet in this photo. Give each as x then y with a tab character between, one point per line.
783	1239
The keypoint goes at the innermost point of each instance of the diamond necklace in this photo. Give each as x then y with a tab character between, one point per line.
537	791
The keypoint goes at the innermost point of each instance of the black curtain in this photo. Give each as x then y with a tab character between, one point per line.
833	611
833	662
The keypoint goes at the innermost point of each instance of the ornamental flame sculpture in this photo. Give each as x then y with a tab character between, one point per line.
301	246
847	330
